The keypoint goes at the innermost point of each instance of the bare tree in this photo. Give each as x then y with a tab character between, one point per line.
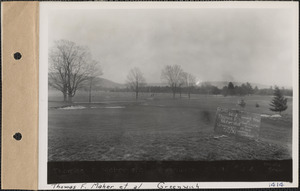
135	80
173	76
189	82
91	77
70	66
182	83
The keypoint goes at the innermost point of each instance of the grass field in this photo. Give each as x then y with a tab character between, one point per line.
116	127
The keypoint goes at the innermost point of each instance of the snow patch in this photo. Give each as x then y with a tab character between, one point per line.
276	115
114	107
217	137
73	107
108	107
271	116
264	115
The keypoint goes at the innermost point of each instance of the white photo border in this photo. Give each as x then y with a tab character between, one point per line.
46	7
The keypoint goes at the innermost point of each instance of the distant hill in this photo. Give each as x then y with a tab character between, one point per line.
221	84
157	84
106	84
102	83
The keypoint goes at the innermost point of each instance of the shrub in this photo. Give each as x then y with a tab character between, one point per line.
206	116
242	103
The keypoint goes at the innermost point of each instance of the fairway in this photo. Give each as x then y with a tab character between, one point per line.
116	127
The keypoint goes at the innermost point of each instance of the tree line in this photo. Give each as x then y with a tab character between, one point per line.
173	75
207	89
72	67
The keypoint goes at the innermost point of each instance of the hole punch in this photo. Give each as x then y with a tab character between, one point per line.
18	136
17	56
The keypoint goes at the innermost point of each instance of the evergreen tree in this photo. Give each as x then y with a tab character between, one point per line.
225	91
279	102
249	88
255	90
231	88
243	89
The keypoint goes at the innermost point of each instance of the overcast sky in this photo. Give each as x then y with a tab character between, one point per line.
245	45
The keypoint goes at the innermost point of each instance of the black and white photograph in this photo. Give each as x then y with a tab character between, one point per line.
170	94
